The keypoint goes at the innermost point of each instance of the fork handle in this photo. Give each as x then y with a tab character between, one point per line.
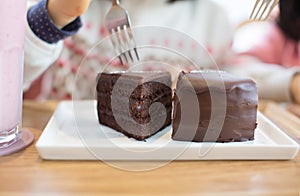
115	2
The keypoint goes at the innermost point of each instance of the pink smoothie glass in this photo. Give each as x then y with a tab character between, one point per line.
12	33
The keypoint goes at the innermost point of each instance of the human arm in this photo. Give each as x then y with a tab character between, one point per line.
266	55
63	12
295	88
43	41
273	81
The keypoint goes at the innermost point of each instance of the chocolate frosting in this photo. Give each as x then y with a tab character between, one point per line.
233	100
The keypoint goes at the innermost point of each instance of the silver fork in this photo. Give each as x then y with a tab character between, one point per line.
117	22
262	9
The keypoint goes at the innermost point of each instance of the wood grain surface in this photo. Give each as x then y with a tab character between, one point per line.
25	173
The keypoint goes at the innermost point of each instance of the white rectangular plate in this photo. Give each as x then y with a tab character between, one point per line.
73	133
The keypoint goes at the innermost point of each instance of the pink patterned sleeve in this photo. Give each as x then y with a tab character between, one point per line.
270	48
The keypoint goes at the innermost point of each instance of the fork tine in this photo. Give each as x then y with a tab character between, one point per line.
273	5
127	40
130	42
258	11
114	41
136	53
254	8
262	9
131	39
121	42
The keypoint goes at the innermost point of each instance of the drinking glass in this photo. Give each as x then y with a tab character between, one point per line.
12	35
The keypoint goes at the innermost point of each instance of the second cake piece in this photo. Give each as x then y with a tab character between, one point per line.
212	106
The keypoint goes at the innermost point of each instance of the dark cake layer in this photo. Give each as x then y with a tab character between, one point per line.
221	107
138	106
137	131
124	100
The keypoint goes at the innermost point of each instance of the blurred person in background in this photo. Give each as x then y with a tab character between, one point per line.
60	34
269	53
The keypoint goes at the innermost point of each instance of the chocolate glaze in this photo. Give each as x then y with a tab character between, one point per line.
234	97
137	92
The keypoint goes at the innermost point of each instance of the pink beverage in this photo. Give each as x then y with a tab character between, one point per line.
12	34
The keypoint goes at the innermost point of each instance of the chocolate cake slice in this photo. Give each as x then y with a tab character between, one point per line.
214	106
137	104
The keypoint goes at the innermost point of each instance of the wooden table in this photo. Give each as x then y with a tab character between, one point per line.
25	173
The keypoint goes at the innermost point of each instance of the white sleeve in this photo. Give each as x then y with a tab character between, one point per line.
273	81
39	55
